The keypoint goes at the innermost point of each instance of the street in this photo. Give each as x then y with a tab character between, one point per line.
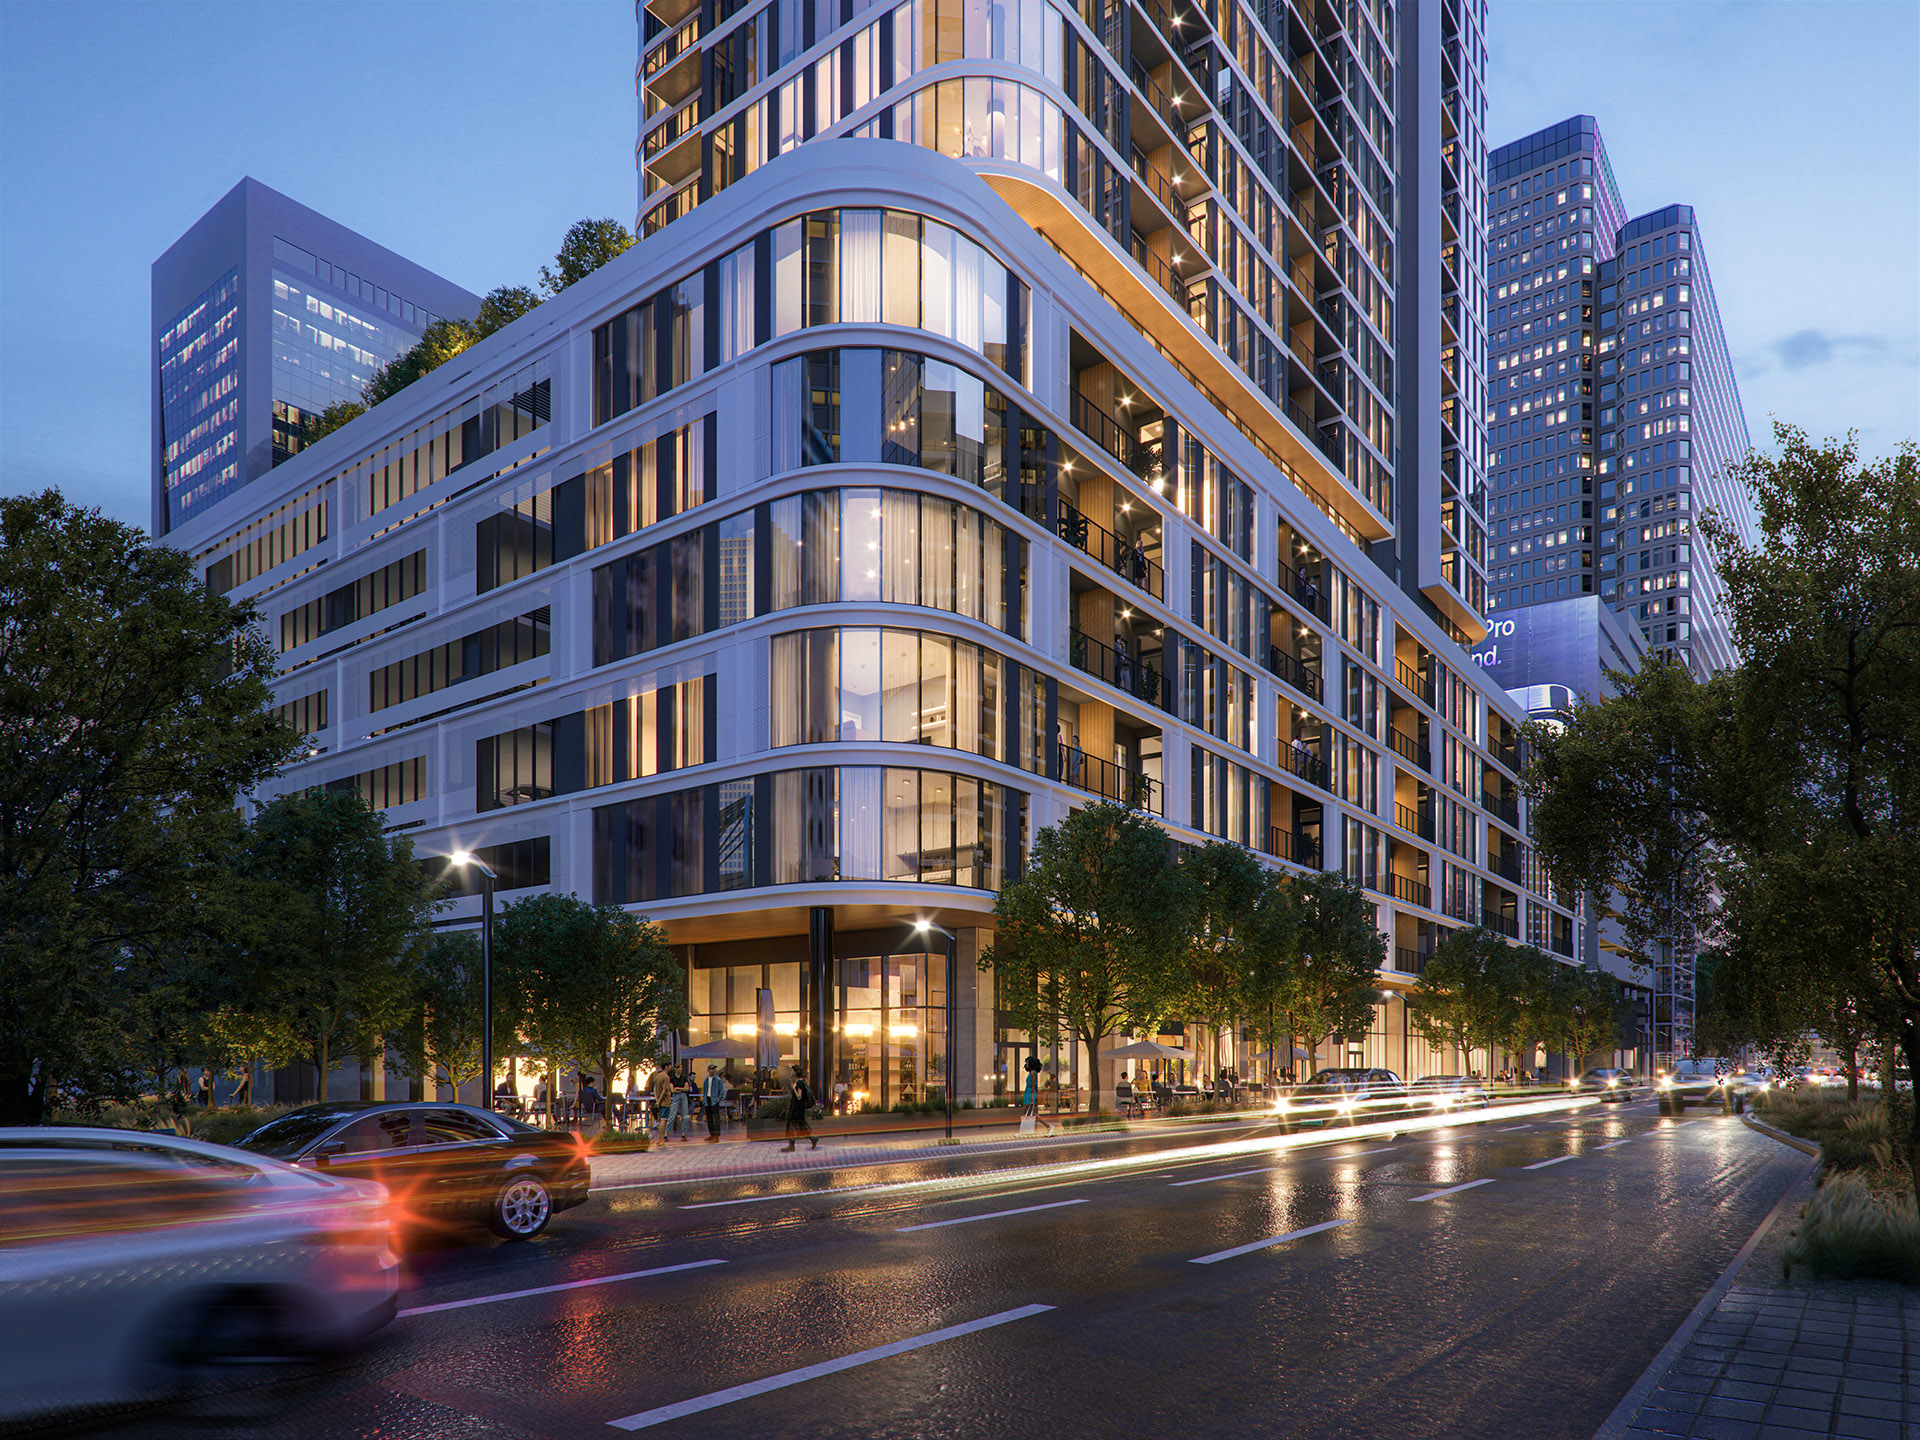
1511	1278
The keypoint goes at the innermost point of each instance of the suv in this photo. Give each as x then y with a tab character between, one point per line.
1349	1096
1449	1092
1702	1081
1608	1084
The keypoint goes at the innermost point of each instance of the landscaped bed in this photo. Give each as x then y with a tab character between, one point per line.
1862	1222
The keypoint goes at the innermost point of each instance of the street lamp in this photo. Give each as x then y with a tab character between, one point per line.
464	858
925	927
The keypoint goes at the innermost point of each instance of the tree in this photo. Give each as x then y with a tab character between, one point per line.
1331	988
1585	1012
587	985
438	343
502	306
1523	979
1462	994
440	1039
346	925
1268	956
1221	887
133	715
1088	934
588	245
336	415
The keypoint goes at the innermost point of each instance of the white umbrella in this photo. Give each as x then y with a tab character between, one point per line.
1146	1050
766	1052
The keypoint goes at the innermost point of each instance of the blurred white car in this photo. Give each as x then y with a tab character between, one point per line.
130	1262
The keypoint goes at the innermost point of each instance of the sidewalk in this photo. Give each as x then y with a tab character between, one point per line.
1789	1360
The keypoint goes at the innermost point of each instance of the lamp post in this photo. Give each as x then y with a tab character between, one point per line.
924	927
465	858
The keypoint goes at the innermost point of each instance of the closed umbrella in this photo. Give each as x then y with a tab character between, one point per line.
766	1053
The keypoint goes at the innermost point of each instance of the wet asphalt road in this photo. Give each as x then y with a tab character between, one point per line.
1523	1305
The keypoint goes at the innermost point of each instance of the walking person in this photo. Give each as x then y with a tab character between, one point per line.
660	1089
714	1093
1030	1098
799	1101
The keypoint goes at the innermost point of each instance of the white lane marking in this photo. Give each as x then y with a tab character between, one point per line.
995	1215
1612	1143
814	1372
1219	1255
1450	1190
1542	1164
1209	1179
555	1289
785	1195
1505	1128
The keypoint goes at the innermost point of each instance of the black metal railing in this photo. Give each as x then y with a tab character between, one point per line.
1125	558
1412	679
1143	457
1507	867
1304	590
1408	748
1291	845
1299	761
1133	788
1405	887
1563	945
1409	962
1507	810
1504	925
1406	817
1303	678
1128	672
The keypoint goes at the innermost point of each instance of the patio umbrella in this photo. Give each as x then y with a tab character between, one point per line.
1299	1053
721	1049
766	1051
1146	1050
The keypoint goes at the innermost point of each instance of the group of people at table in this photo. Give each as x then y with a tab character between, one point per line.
666	1101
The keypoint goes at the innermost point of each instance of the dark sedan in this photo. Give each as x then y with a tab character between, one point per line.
442	1163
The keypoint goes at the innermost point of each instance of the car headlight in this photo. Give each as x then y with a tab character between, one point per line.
1665	1083
1281	1105
1611	1082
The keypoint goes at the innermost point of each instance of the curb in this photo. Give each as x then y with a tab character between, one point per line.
1805	1147
1617	1424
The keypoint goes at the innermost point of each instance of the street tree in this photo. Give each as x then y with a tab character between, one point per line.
1221	885
1332	983
439	1040
588	245
134	714
346	923
1089	935
1268	955
1523	980
1462	994
591	986
1585	1012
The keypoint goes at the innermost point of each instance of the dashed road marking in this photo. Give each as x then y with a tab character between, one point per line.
1220	1255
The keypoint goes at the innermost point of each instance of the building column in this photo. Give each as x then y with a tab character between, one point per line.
816	1003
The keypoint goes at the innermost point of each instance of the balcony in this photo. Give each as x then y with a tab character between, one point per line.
1409	749
1133	788
1409	962
1145	458
1412	680
1507	867
1303	764
1125	558
1301	849
1137	676
1408	890
1301	677
1501	924
1507	811
1408	818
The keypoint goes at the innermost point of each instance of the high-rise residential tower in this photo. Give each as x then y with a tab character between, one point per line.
1051	404
265	313
1614	411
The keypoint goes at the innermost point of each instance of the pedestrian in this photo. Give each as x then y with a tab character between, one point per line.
1030	1098
715	1095
1076	760
840	1093
243	1094
677	1111
206	1089
799	1101
660	1091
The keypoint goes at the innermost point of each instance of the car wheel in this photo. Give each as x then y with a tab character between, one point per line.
1666	1105
521	1208
236	1327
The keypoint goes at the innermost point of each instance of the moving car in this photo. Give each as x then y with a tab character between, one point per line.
444	1164
130	1262
1349	1096
1608	1084
1700	1082
1449	1092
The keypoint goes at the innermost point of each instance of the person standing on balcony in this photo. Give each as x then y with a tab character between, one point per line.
1076	760
1123	663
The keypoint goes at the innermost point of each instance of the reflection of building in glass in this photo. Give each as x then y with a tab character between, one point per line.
1118	440
264	314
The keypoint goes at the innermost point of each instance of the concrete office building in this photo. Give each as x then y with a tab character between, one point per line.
1043	427
1614	410
265	313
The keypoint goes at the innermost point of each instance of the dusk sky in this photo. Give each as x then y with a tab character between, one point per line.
468	137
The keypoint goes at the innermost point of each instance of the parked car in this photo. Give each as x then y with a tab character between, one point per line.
1348	1096
1449	1092
1608	1084
130	1262
444	1164
1699	1082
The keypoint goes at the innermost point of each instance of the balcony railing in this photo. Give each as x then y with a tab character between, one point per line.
1410	749
1408	818
1299	761
1290	845
1410	962
1303	590
1507	810
1143	458
1132	788
1157	181
1563	945
1301	677
1405	887
1503	924
1507	867
1127	672
1412	679
1124	558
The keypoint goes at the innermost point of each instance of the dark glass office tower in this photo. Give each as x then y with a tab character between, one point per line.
265	313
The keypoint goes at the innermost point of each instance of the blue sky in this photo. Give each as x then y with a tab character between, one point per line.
469	136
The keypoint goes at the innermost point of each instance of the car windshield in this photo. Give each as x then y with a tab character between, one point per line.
1338	1079
291	1134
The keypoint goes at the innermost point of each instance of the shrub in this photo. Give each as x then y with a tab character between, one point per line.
1849	1232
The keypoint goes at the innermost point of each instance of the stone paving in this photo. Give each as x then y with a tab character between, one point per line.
1792	1364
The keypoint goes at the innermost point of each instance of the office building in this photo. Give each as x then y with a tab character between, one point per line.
1614	411
265	313
1024	422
